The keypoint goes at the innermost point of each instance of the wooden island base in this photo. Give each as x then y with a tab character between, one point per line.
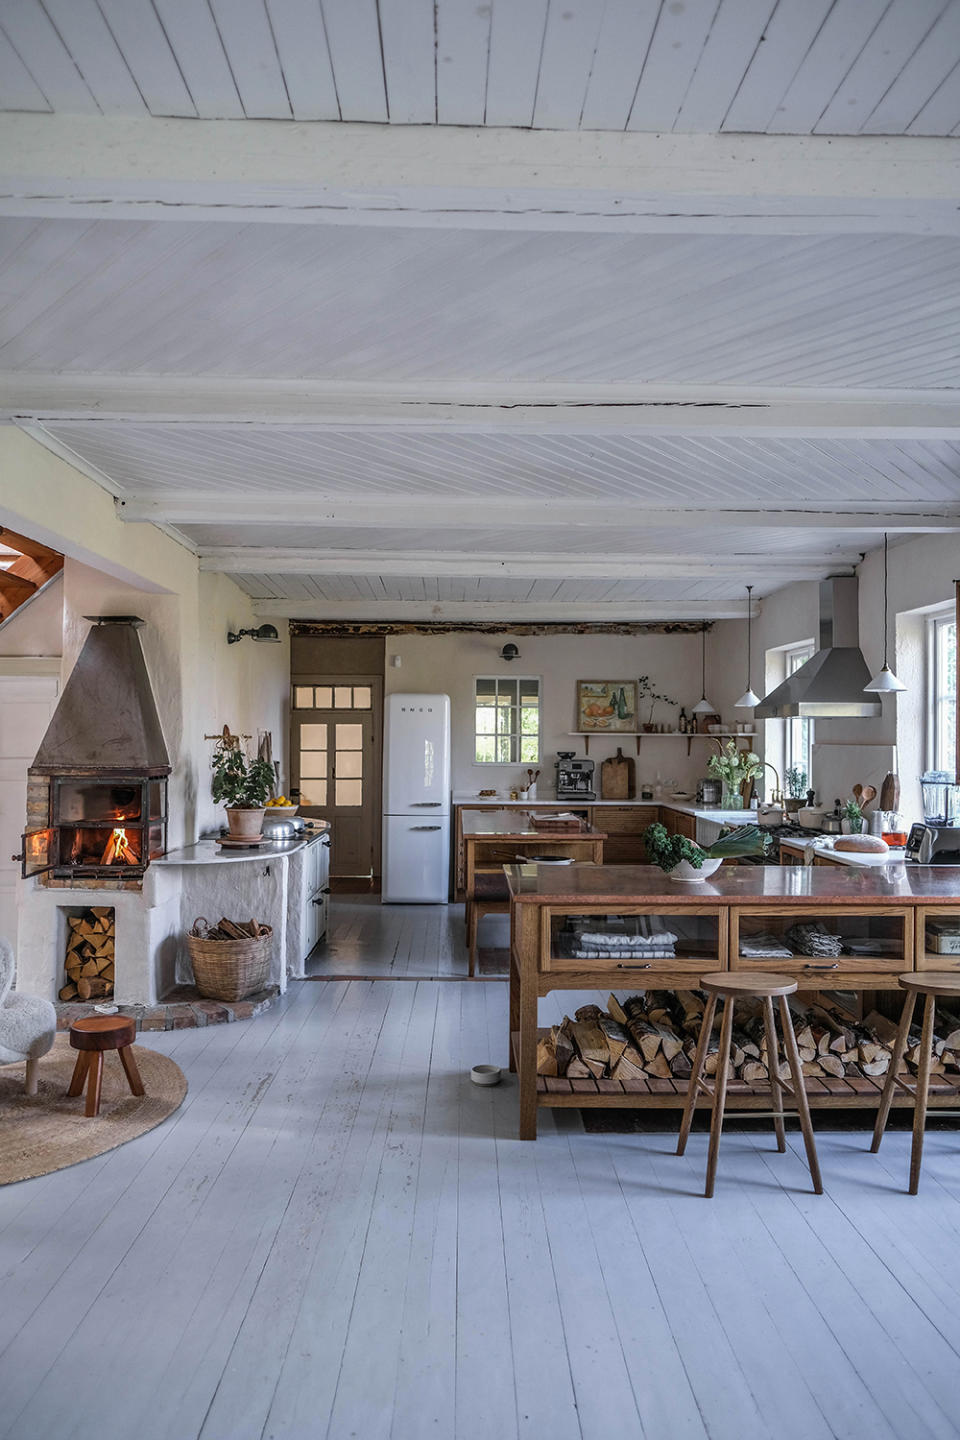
575	928
556	1092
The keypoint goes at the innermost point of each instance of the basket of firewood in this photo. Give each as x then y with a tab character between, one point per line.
230	960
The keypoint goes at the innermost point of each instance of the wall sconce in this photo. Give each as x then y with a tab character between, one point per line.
510	652
263	632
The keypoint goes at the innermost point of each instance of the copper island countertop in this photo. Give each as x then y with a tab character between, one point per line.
775	885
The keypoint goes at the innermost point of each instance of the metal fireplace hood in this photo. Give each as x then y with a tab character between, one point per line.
106	720
831	682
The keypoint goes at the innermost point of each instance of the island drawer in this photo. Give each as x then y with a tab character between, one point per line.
938	940
823	942
638	944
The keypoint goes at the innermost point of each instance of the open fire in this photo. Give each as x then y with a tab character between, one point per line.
118	850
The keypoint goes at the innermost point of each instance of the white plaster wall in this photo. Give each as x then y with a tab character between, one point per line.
245	685
37	627
199	681
449	663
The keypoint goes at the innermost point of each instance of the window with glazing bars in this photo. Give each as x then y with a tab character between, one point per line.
507	721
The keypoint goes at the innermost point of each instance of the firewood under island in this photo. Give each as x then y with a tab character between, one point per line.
844	935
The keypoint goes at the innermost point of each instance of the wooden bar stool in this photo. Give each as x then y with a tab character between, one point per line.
930	984
756	986
92	1038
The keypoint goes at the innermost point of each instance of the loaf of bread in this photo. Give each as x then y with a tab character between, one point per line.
862	844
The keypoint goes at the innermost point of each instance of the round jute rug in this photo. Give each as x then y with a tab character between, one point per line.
46	1131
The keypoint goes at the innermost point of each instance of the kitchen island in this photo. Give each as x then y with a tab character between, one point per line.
883	915
622	821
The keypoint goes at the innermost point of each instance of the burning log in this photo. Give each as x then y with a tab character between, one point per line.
118	850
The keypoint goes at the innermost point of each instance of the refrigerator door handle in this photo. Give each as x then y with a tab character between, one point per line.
425	804
426	827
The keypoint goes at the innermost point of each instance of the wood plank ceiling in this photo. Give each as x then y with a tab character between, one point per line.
371	415
798	67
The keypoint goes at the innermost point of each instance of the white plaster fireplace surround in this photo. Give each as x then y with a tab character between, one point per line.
151	954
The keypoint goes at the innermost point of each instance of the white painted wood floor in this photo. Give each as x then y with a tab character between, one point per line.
339	1236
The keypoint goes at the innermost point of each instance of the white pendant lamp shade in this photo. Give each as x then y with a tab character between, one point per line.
703	706
885	682
748	699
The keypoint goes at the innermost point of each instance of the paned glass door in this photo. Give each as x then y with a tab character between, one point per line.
335	770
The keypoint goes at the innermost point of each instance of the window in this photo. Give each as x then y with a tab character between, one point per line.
798	737
942	690
507	721
332	697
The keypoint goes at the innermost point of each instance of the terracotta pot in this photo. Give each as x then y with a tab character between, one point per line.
244	824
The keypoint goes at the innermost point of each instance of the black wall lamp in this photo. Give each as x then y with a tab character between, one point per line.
263	632
510	652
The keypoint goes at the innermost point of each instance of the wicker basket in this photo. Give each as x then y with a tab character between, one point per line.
229	969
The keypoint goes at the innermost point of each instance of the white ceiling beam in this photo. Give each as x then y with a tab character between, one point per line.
508	611
317	172
416	512
277	561
477	408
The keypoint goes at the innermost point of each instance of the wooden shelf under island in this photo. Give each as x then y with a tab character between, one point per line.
883	915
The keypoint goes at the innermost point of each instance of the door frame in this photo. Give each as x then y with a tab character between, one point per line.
376	710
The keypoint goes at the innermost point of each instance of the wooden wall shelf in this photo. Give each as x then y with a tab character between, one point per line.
638	735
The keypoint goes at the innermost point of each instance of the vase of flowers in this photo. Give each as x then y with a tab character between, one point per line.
733	768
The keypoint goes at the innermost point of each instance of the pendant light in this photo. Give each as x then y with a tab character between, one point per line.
703	706
748	699
885	682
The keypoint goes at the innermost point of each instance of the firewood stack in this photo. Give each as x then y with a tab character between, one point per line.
90	955
654	1035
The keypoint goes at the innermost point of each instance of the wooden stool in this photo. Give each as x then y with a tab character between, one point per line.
92	1037
929	983
757	986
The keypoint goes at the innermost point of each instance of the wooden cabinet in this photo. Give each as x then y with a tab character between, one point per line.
930	919
624	826
676	824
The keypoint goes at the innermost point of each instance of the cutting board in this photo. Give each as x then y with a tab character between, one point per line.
617	777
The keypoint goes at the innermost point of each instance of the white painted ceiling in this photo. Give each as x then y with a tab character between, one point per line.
391	304
827	67
359	416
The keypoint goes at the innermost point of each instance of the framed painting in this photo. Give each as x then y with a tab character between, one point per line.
607	705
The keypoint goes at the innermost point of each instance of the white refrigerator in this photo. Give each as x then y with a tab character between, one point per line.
416	799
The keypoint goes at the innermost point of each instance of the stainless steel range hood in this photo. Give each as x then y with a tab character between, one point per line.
106	718
831	683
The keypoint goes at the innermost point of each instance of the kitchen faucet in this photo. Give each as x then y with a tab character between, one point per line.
777	797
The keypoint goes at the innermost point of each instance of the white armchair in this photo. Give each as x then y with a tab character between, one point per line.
28	1024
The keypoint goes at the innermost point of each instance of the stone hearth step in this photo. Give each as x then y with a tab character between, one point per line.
183	1009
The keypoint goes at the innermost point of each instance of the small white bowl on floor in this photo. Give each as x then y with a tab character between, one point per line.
485	1074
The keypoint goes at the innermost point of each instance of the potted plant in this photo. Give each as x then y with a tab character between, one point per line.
242	785
684	860
734	768
645	691
795	785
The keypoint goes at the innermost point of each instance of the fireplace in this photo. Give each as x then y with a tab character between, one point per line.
97	793
103	826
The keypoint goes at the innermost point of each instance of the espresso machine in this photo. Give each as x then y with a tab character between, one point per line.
574	777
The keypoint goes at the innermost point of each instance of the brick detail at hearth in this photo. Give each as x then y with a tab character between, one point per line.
183	1010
